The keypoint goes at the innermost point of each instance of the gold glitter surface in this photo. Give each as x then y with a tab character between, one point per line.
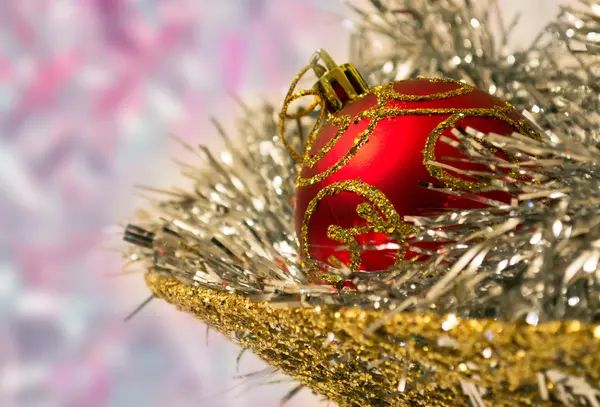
372	214
412	360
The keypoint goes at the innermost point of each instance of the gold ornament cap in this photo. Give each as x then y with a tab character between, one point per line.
339	84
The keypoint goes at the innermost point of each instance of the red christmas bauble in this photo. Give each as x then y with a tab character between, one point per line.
361	171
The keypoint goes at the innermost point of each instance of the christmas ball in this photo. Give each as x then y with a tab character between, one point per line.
363	170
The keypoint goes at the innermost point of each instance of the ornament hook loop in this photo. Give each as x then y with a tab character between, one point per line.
290	98
337	85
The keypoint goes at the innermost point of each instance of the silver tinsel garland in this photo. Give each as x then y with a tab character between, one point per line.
557	74
534	260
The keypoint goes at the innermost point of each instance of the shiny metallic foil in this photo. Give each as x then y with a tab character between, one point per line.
506	313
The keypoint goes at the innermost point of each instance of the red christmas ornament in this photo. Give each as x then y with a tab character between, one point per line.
361	170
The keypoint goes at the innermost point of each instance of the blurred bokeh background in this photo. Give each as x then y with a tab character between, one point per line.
89	91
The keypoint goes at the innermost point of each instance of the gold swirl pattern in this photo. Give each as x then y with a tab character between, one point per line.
378	213
384	94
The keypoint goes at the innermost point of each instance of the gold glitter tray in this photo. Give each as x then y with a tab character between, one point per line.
413	359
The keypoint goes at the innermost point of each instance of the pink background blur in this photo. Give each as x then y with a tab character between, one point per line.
89	91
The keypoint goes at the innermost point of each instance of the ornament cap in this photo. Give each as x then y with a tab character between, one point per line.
339	84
